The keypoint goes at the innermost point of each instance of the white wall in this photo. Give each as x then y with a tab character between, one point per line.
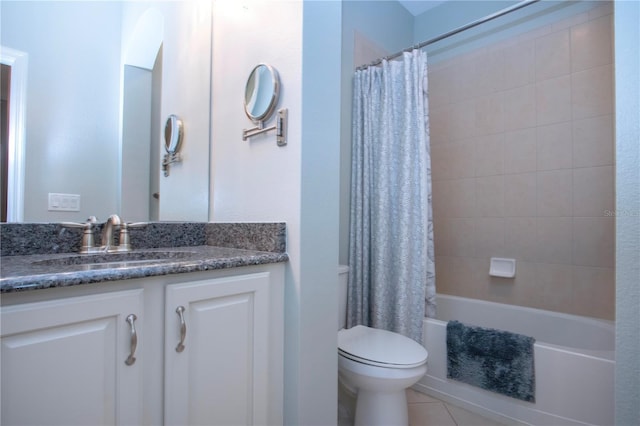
136	134
186	91
627	70
381	26
72	102
318	308
255	180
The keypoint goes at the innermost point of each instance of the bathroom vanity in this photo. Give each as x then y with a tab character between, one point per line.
178	335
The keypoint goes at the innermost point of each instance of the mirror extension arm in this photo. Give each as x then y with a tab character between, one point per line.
280	127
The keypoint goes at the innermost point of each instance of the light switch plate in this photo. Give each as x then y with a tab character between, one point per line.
64	202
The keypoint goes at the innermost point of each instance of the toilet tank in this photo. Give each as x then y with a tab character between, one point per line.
343	281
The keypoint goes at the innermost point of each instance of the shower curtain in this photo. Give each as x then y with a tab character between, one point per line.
391	258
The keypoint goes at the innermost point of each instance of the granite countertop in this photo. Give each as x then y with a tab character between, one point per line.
40	271
45	255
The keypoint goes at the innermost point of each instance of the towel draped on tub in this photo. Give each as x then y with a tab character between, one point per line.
495	360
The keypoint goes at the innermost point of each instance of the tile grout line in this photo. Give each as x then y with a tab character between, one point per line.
446	407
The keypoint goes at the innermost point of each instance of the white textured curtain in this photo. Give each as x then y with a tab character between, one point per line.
391	258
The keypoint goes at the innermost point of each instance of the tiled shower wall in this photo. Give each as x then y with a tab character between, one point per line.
523	167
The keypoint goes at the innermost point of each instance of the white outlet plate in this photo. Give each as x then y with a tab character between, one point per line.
64	202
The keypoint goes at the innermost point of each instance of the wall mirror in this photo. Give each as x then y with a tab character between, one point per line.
261	93
260	100
91	143
173	134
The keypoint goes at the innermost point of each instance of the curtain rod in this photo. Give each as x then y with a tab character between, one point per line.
453	32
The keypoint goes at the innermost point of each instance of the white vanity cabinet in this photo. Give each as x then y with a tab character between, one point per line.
216	338
63	360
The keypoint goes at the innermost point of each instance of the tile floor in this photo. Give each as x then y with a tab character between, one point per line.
428	411
424	410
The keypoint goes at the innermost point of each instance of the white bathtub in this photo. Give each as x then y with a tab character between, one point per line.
574	364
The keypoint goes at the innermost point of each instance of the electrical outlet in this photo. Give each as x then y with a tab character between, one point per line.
64	202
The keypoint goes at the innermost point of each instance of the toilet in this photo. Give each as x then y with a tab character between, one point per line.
378	365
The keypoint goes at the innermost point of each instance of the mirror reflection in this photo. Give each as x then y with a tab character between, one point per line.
92	121
173	134
261	92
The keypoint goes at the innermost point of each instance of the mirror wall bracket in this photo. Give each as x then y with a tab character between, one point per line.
280	127
173	135
168	159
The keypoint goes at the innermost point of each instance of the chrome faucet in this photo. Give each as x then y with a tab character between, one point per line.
107	233
87	234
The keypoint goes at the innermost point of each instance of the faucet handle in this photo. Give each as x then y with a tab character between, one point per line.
125	240
88	241
88	224
136	224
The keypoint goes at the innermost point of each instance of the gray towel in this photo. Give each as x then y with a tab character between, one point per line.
495	360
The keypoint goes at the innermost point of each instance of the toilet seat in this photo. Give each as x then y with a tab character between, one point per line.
381	348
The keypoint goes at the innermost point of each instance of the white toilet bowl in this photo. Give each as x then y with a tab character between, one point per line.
379	365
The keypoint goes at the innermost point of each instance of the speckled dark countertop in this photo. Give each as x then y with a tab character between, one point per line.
163	248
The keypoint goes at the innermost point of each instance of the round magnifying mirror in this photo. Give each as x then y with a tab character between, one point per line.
261	92
173	133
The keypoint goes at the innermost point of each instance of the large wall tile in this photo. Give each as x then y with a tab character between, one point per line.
440	199
553	100
552	55
593	292
593	241
593	141
519	69
489	72
439	124
461	234
463	82
440	83
520	238
489	114
591	44
554	146
520	107
593	193
520	151
453	160
462	120
553	285
489	155
554	240
462	198
489	233
490	196
592	92
458	276
520	195
519	290
440	236
554	193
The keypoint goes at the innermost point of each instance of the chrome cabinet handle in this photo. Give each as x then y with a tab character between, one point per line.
183	329
134	339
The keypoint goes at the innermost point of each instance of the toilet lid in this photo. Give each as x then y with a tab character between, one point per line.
380	347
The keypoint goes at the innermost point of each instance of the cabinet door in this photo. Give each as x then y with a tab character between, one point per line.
63	361
221	375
